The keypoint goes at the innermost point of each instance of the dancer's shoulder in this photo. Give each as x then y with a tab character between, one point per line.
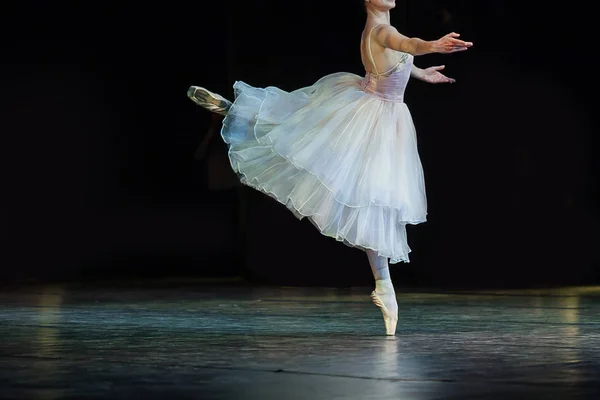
383	32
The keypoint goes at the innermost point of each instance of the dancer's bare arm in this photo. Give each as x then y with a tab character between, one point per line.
430	75
416	72
388	36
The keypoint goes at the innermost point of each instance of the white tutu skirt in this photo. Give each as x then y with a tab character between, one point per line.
345	159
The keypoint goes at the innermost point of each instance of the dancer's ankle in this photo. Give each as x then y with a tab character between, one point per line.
384	286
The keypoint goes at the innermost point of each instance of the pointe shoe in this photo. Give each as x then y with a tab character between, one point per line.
211	101
389	319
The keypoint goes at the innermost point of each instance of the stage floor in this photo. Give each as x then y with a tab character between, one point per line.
198	341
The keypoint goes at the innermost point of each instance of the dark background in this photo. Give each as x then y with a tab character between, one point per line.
101	182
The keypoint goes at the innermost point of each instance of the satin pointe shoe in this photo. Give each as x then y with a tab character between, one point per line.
390	319
211	101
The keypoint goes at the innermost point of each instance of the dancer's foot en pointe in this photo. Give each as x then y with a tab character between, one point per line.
211	101
384	297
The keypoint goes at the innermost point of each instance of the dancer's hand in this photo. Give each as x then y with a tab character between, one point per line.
433	75
449	44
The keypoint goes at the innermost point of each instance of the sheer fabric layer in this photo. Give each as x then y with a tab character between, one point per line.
344	158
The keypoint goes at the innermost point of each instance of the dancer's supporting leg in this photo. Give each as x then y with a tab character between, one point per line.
384	295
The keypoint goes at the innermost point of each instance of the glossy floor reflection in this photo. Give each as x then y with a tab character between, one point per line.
225	342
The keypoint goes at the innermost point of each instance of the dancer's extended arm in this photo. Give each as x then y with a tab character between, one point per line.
430	75
388	36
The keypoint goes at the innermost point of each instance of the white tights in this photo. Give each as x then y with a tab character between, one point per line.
381	273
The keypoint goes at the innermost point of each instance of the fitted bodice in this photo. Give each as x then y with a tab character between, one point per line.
390	85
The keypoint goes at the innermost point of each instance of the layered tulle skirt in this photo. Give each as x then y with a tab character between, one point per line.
345	159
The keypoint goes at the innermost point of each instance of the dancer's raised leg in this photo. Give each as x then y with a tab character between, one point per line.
211	101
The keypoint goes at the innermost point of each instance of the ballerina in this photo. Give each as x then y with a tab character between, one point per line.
342	152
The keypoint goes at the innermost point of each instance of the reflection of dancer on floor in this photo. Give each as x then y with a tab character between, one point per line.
342	152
